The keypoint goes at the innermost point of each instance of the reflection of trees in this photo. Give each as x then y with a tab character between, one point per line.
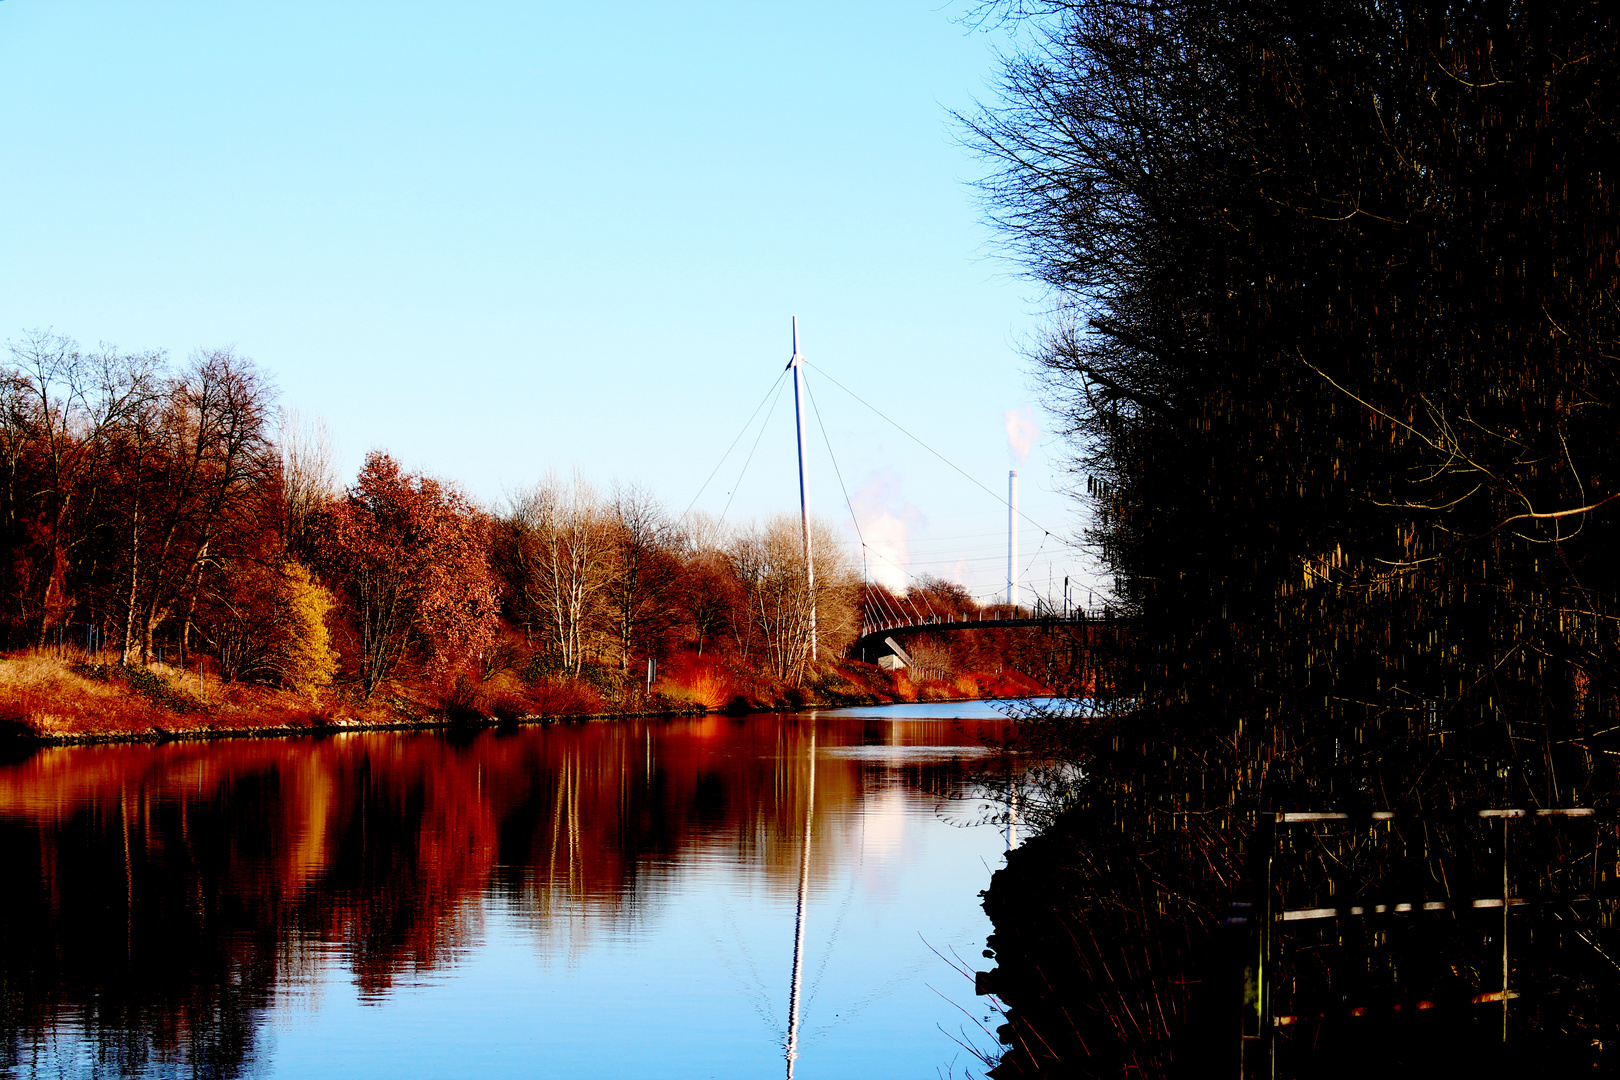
132	922
164	894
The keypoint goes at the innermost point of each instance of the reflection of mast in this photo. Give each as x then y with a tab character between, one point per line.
798	922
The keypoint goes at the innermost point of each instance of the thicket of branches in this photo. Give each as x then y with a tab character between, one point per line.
1336	294
128	486
1338	303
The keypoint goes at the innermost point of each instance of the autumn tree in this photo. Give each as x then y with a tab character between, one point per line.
125	482
265	621
304	657
707	593
410	552
64	412
198	468
936	595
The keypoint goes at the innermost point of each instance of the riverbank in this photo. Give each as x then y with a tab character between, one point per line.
53	699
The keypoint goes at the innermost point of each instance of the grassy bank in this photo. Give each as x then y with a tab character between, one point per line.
51	696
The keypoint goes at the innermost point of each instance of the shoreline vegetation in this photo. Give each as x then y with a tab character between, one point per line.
48	699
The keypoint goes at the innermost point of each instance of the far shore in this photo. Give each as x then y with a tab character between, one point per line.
48	700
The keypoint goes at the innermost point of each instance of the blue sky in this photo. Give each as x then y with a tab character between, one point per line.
501	238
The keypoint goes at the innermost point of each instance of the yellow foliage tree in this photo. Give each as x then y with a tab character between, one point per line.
304	655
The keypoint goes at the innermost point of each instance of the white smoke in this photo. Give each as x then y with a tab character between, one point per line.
886	520
1022	434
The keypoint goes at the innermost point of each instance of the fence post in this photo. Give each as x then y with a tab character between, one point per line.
1257	1053
1503	843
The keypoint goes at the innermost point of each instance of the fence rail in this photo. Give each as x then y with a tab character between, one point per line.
1262	916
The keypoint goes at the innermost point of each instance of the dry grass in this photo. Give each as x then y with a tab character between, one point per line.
43	696
505	696
710	683
556	697
44	671
1008	683
904	688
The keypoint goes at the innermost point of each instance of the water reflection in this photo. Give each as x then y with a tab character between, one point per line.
164	904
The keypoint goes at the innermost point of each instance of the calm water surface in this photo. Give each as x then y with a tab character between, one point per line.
580	900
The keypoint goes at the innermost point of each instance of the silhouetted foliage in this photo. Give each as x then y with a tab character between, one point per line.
1334	285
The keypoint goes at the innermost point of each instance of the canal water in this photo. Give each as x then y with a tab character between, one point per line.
773	895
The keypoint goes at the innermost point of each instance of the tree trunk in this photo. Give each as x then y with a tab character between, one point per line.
191	609
45	600
134	581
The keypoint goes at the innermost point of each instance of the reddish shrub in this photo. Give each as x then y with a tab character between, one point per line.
558	697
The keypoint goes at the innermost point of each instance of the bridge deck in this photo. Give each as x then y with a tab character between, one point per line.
872	634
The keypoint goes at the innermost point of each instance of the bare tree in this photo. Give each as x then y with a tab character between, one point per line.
308	477
643	572
768	561
201	460
560	545
68	405
699	531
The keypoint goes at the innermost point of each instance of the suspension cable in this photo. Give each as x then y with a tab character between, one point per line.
844	488
765	424
746	424
896	425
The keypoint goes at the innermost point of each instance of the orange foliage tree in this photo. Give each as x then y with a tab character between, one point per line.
411	554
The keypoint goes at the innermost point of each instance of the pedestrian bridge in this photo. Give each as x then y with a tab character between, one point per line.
871	643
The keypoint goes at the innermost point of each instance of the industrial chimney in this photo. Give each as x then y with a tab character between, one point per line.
1012	538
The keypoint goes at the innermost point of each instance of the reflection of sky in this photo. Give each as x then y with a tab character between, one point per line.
925	710
904	755
699	986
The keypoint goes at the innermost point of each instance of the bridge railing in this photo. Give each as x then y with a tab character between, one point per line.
981	620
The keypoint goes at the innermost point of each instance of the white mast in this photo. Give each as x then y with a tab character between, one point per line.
804	498
1012	538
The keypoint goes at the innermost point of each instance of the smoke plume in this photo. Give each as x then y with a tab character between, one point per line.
1021	432
886	519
